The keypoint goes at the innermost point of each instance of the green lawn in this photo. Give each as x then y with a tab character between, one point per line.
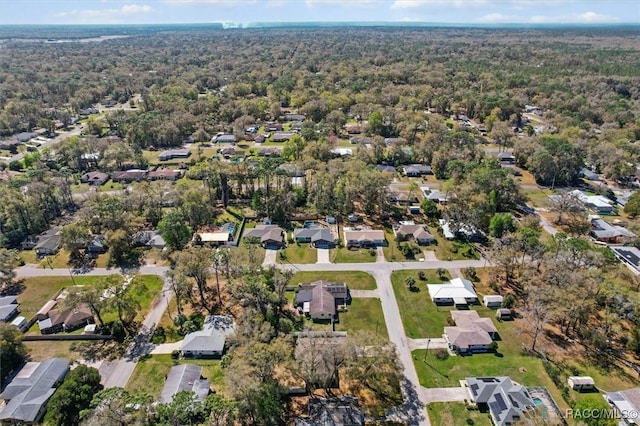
420	316
28	256
343	255
391	251
456	414
151	372
363	315
152	286
452	250
538	197
355	280
38	290
508	361
299	253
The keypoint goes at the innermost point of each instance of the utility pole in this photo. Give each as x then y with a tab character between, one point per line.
426	352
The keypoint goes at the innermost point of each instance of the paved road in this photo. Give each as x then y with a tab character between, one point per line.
546	225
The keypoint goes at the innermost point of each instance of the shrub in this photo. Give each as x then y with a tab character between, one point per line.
470	422
372	252
441	354
471	273
421	275
508	301
175	354
450	321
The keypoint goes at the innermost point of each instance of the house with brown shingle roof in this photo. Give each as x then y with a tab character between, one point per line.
418	233
471	333
320	299
270	236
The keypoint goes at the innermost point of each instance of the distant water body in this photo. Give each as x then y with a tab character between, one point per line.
96	33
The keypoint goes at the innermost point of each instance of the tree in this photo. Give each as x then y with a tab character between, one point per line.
375	123
565	203
184	409
430	209
8	263
591	410
121	297
411	282
632	208
116	407
220	258
501	223
222	410
90	295
195	263
174	231
12	350
442	273
73	396
75	238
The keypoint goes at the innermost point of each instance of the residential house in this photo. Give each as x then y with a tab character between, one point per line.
353	129
10	145
210	341
597	203
94	178
364	238
270	236
97	245
581	383
43	313
360	139
386	169
260	138
629	255
185	378
395	141
338	411
458	291
506	158
128	176
281	136
506	401
174	153
342	152
224	138
215	236
26	396
606	232
66	320
88	111
164	174
318	237
436	195
229	152
401	198
273	127
293	117
464	231
319	299
492	301
411	231
292	170
270	151
416	170
8	308
48	242
626	403
589	175
466	341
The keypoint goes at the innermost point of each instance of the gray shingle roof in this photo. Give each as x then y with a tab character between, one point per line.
212	337
185	377
506	400
31	389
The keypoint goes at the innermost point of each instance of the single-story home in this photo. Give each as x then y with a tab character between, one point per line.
174	153
66	320
185	378
164	174
581	383
293	117
353	129
606	232
281	136
364	238
210	341
492	301
27	394
344	410
589	175
435	195
48	242
273	127
401	198
597	203
319	299
411	231
458	291
629	255
151	239
386	169
97	244
466	231
128	176
94	178
8	308
360	139
416	170
471	333
224	138
506	158
213	238
341	152
318	237
270	236
506	401
626	403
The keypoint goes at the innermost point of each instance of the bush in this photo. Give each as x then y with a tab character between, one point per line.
470	422
508	301
421	275
450	322
159	336
175	354
372	252
441	354
471	273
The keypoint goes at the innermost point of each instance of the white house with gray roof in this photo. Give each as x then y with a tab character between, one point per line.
318	237
27	395
210	341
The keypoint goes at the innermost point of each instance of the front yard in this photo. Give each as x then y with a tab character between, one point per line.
456	414
420	316
344	255
298	253
355	280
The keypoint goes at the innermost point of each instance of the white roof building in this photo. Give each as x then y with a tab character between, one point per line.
459	291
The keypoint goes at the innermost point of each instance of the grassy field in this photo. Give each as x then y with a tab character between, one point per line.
391	251
355	280
363	315
452	250
343	255
456	414
40	351
538	197
299	253
420	316
152	284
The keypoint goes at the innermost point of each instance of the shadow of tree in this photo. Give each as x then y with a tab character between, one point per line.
412	411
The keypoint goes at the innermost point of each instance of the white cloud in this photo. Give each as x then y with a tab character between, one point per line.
582	18
405	4
593	18
496	18
106	16
224	3
342	3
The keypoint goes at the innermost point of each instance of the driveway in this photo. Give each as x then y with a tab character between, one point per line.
458	394
546	225
270	257
323	256
364	294
380	255
166	348
429	343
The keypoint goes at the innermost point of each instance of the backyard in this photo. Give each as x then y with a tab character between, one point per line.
456	414
363	315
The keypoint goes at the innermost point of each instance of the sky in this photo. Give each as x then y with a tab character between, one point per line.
239	11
